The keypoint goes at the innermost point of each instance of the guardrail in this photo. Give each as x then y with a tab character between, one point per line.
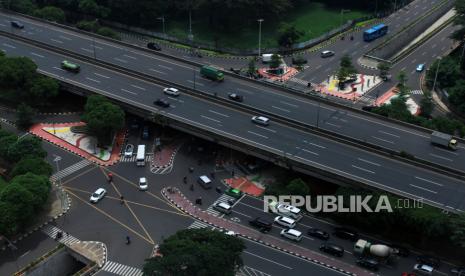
250	109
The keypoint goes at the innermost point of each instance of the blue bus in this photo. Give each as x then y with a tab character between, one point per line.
375	32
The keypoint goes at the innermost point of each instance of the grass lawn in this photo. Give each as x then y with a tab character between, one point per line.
313	19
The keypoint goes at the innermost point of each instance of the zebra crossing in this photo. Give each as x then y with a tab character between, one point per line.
367	99
52	231
198	225
70	170
222	198
416	92
123	158
166	170
121	269
249	271
299	81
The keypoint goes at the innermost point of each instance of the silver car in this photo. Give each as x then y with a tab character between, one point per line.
171	91
261	120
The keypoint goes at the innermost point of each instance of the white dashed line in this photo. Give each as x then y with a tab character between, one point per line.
254	133
156	71
217	113
138	87
369	162
94	80
362	169
429	181
441	157
211	119
424	189
57	41
127	91
100	75
387	133
37	55
384	140
121	60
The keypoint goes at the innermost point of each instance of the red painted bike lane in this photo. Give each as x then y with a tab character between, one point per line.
180	201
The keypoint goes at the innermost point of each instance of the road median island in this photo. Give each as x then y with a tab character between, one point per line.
179	200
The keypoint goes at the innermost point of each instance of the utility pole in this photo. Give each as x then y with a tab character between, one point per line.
190	36
259	36
162	18
318	115
342	16
436	75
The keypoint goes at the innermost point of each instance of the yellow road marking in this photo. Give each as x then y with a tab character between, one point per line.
79	175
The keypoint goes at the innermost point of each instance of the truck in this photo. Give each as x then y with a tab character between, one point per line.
378	251
444	140
212	73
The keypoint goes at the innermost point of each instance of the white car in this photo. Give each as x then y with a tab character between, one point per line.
143	186
285	221
98	195
171	91
423	269
264	121
222	207
292	234
128	150
230	233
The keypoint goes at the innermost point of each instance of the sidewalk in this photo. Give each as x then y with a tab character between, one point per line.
185	205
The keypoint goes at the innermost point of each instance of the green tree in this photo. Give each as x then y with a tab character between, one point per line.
16	72
38	185
7	140
298	187
105	31
51	13
24	116
457	95
41	91
8	219
459	20
346	69
448	72
22	6
288	35
252	68
33	165
275	61
197	252
29	146
383	68
426	106
457	223
90	7
21	202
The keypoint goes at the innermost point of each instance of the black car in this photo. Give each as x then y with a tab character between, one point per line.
17	24
236	97
318	233
368	107
332	249
162	103
153	46
371	264
346	234
262	224
428	260
400	250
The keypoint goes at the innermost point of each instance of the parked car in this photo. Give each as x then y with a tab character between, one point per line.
161	102
17	24
318	233
129	150
423	269
292	234
264	121
369	263
143	186
234	193
346	234
153	46
236	97
285	221
69	66
420	67
171	91
98	195
332	249
263	224
429	260
326	54
222	207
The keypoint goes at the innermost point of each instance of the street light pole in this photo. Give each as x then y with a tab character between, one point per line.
162	18
342	16
318	116
259	35
436	75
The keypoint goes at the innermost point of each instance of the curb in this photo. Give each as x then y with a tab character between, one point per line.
245	236
170	162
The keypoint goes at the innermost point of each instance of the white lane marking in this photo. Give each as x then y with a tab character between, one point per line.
313	144
387	133
447	151
87	50
97	47
100	75
217	113
245	91
282	109
307	151
267	129
429	181
263	136
65	38
58	68
127	91
414	60
196	83
138	87
131	57
9	46
3	25
331	124
260	257
156	71
37	55
289	104
369	162
166	67
424	189
441	157
242	214
211	119
384	140
94	80
56	40
318	67
363	169
120	60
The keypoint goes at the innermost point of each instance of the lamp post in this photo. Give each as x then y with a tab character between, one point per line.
342	16
190	36
162	18
436	75
259	35
56	160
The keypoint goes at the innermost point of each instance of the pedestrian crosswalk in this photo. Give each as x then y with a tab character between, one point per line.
249	271
416	92
166	170
223	198
123	158
198	225
121	269
66	238
299	81
367	99
70	170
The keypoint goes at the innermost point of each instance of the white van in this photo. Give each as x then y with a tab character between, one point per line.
205	182
286	210
267	57
140	158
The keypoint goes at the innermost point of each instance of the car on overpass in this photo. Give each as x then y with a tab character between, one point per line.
236	97
153	46
69	66
420	67
171	91
17	24
161	102
264	121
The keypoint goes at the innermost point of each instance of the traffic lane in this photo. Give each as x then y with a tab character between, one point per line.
66	158
274	262
205	119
